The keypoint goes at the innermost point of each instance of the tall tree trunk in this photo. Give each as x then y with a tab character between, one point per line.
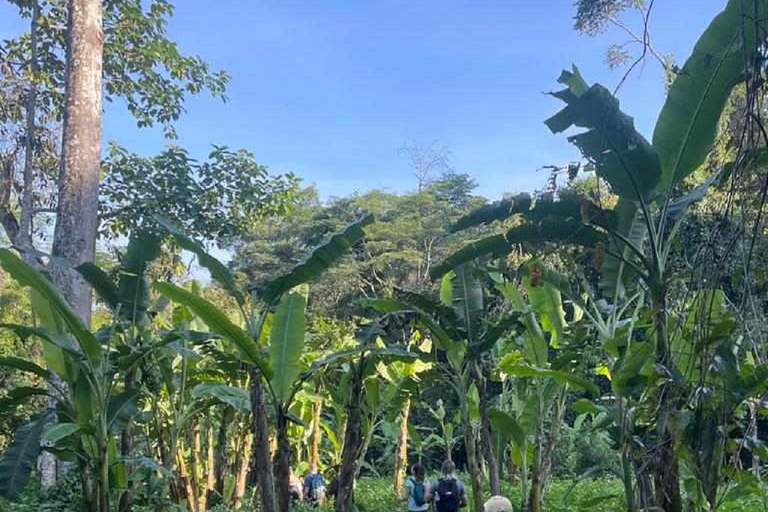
74	237
262	460
352	441
401	454
283	464
667	477
24	240
317	434
486	436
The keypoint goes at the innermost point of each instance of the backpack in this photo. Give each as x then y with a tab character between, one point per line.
315	488
419	494
449	495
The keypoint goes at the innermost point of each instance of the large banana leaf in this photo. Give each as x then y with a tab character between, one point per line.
687	126
468	300
507	426
218	322
20	457
238	398
546	301
27	276
219	272
491	212
101	283
23	365
321	259
286	342
516	369
622	157
17	397
547	230
133	288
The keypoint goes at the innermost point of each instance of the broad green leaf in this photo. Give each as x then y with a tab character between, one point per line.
238	398
549	229
536	346
546	301
622	157
616	275
133	287
121	410
524	370
687	126
20	458
25	275
491	212
468	300
626	371
219	272
321	259
101	283
18	397
507	426
24	366
59	431
218	322
286	342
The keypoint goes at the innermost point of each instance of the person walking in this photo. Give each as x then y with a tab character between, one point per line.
449	494
418	490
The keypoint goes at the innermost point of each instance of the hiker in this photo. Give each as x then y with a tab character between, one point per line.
314	488
419	492
498	504
449	493
294	488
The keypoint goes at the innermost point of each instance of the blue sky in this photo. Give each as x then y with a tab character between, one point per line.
330	89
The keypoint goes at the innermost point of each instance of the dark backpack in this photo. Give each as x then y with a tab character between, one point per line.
419	494
449	495
315	483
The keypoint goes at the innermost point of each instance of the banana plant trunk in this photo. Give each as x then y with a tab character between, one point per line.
126	449
667	477
489	447
262	460
352	442
401	455
283	464
241	470
473	462
314	454
220	458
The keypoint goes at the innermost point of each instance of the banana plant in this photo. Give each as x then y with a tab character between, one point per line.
270	337
637	237
464	327
96	405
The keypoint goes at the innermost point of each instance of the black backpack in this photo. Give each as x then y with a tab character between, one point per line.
449	495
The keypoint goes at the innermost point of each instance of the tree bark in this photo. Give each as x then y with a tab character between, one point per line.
486	435
401	455
470	446
667	477
241	471
261	456
283	465
352	441
74	237
317	434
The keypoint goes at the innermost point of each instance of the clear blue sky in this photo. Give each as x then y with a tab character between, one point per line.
329	89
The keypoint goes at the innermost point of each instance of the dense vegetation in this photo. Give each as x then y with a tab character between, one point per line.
597	345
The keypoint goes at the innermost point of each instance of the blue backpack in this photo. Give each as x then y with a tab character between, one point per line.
419	494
